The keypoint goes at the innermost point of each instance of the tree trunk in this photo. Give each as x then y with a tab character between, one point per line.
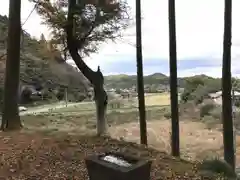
95	78
226	87
10	116
140	81
100	98
173	79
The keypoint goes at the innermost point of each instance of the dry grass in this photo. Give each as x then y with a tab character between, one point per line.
195	139
160	99
197	142
75	121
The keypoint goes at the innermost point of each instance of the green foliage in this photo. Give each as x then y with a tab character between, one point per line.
216	113
94	22
40	64
206	109
78	96
237	103
210	121
197	88
194	88
157	81
167	115
217	166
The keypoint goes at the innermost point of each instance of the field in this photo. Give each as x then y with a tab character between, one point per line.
71	130
160	99
197	141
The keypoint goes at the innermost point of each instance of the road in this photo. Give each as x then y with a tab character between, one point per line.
46	108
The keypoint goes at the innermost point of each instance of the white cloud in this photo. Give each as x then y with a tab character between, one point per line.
210	71
199	25
199	32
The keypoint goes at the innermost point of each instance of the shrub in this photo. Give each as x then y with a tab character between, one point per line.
237	103
210	121
60	95
167	112
206	109
78	97
167	115
185	96
207	119
217	166
216	113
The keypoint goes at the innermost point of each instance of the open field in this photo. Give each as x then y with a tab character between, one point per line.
157	99
197	141
71	130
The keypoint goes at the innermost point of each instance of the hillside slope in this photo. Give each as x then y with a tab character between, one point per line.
42	66
158	80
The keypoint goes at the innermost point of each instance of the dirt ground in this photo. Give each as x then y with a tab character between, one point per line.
39	156
54	154
197	142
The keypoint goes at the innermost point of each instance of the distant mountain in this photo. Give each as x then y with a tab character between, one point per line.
128	81
158	75
156	81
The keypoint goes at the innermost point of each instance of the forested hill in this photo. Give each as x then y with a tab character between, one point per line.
42	65
159	81
128	81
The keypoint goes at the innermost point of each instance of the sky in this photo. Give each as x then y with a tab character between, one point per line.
199	27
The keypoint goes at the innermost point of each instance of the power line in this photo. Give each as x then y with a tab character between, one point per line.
129	43
35	6
29	15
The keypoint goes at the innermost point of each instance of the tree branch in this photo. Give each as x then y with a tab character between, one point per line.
72	44
84	38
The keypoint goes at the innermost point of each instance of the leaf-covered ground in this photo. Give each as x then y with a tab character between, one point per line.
42	156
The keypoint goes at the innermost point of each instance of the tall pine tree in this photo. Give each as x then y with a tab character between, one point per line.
227	87
140	81
10	116
173	78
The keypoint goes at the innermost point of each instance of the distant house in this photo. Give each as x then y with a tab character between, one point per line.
217	96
